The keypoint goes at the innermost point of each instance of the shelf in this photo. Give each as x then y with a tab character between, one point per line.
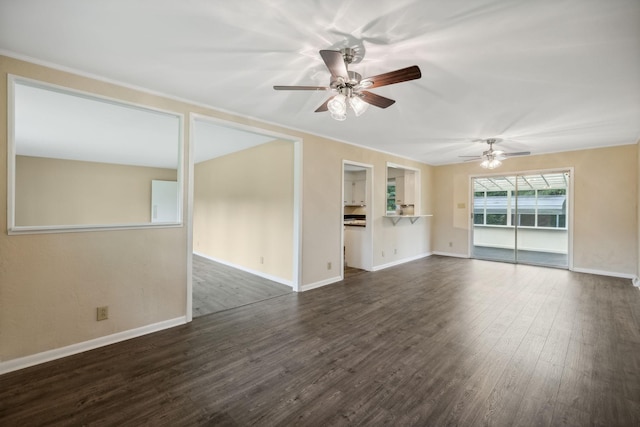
396	218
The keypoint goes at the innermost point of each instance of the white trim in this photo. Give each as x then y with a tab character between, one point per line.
321	283
297	214
630	276
451	254
58	353
369	169
401	261
571	213
189	217
248	270
570	202
46	229
636	281
11	154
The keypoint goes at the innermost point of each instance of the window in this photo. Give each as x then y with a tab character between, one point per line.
391	195
535	208
489	208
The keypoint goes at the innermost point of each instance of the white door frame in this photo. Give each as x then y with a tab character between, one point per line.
368	258
297	198
570	202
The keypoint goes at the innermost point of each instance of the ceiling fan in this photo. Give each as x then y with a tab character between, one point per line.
491	158
350	87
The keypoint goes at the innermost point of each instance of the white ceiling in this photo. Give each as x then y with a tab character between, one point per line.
213	140
546	76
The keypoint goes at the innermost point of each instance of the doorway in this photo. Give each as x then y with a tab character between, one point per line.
522	218
244	210
356	221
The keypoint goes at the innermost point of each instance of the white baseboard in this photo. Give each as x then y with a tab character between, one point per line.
605	273
451	254
248	270
58	353
636	282
401	261
320	284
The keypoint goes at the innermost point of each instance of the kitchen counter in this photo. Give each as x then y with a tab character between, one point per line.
355	220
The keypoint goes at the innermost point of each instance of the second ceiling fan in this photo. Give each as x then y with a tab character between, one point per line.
350	87
491	158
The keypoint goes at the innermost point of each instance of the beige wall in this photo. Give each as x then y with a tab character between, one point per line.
51	284
605	196
323	209
243	209
70	192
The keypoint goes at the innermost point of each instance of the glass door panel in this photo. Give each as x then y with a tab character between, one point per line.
541	219
494	237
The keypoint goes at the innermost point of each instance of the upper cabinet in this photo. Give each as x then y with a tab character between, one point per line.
355	183
406	188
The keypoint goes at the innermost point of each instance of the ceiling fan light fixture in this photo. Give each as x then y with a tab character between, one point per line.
339	117
490	163
358	105
337	106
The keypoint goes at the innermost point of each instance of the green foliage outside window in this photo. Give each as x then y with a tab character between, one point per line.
391	197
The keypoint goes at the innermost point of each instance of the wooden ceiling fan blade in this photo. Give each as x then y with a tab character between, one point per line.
335	63
324	106
301	87
377	100
392	77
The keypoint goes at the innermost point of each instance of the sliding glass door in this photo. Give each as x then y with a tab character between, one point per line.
522	218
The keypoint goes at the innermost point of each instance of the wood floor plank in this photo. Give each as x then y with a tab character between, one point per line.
438	341
218	287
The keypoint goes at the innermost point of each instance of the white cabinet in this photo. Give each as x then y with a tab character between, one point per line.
400	200
354	238
409	188
348	191
355	189
406	189
359	194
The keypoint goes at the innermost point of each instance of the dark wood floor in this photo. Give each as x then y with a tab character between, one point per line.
218	287
438	341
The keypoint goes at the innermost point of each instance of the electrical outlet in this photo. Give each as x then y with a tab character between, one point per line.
329	266
450	244
261	260
395	252
102	313
383	253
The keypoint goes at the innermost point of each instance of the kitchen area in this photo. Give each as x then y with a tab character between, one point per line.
357	233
